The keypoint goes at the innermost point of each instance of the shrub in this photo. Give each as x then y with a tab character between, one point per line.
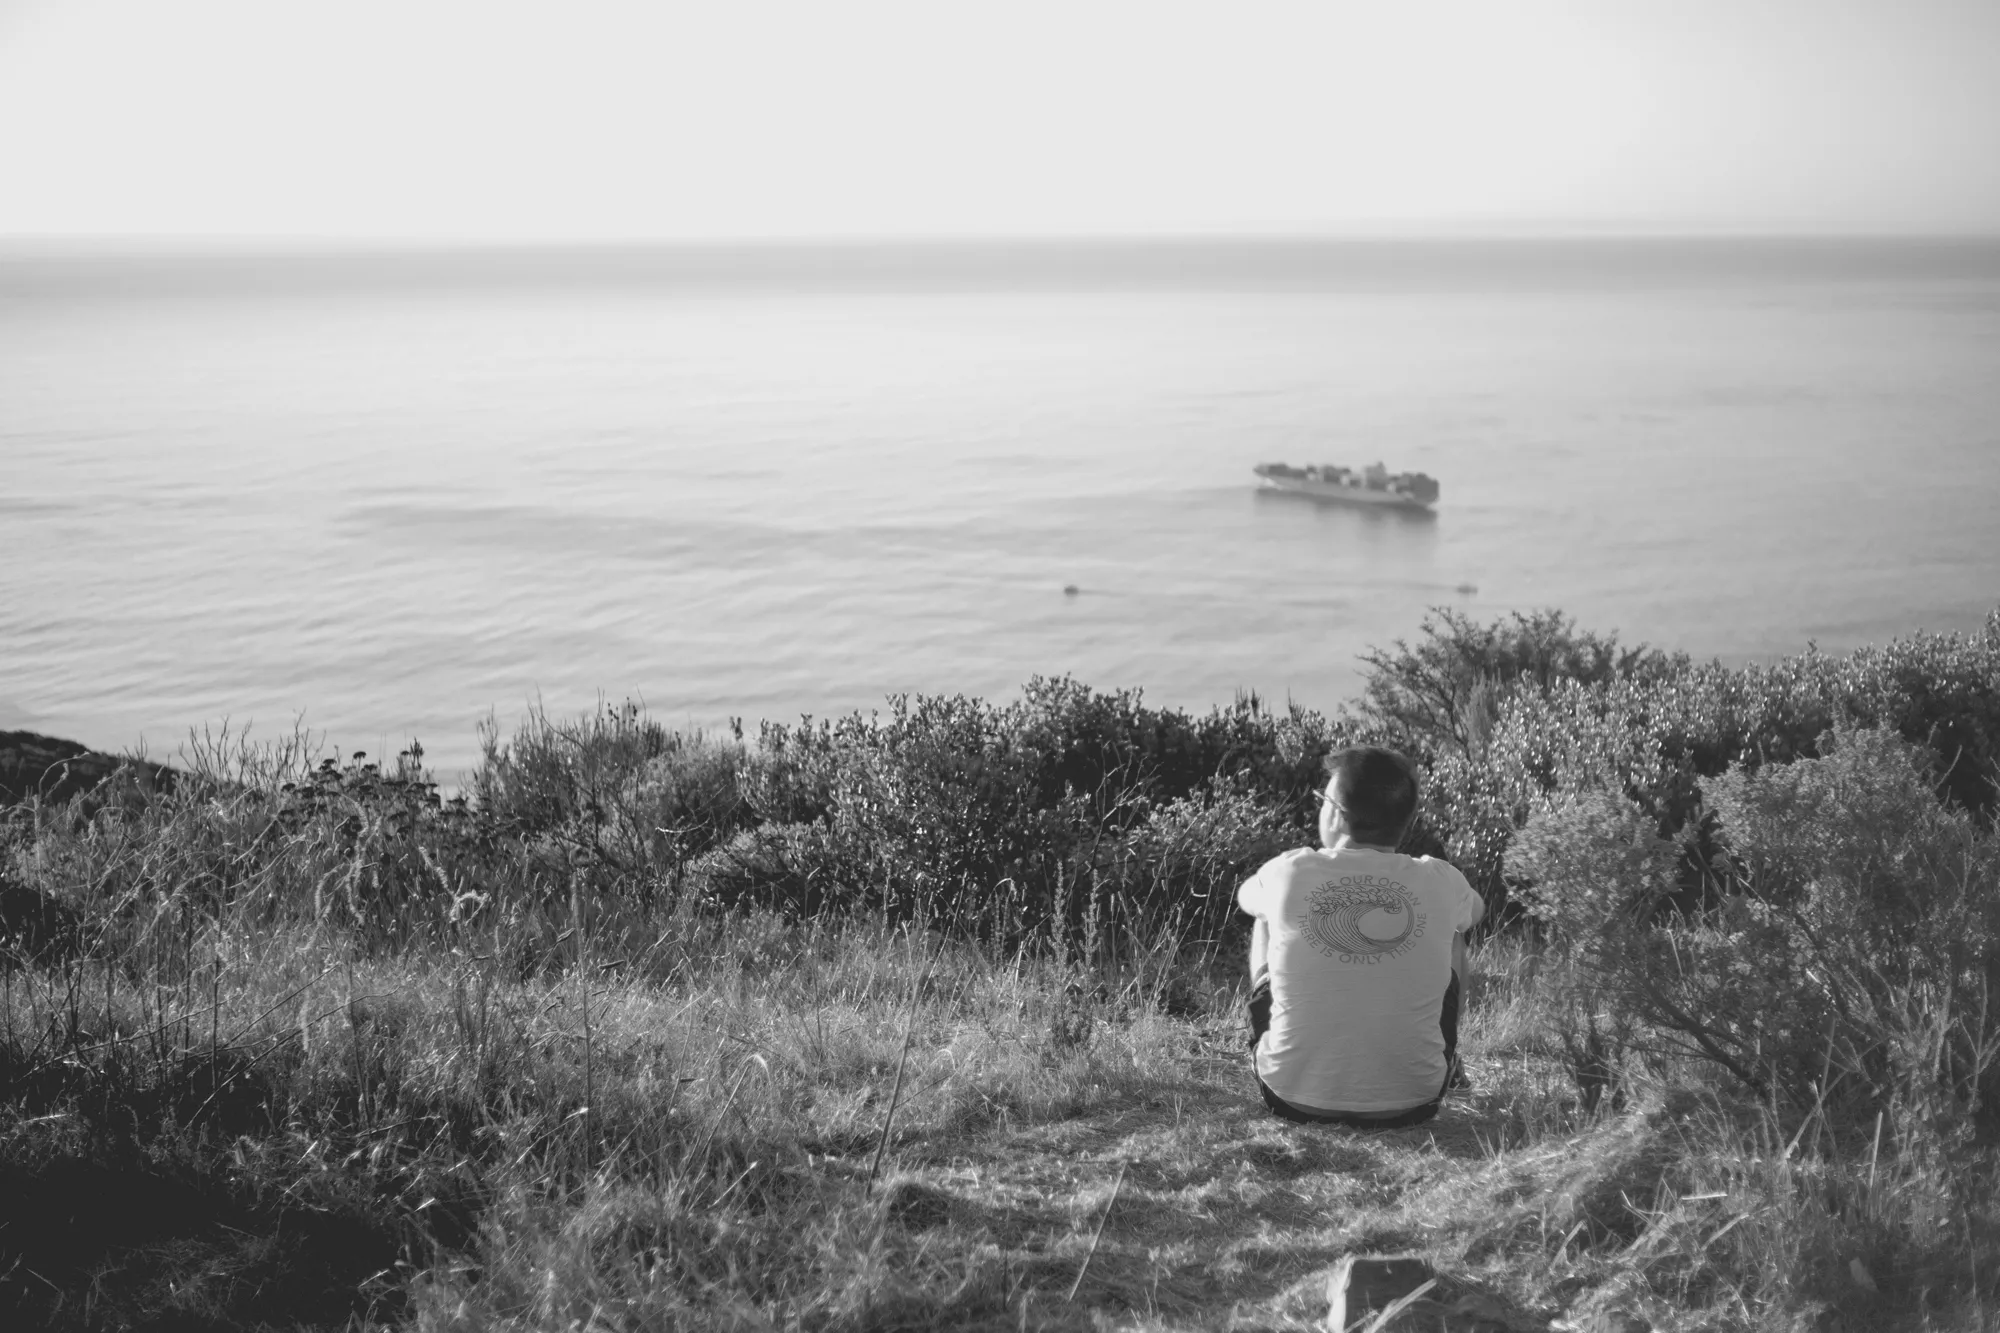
1850	966
1435	698
611	802
1039	818
1599	872
1582	717
1889	901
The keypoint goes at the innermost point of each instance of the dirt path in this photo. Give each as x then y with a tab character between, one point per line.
1225	1217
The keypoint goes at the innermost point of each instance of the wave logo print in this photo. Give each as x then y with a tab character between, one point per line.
1364	919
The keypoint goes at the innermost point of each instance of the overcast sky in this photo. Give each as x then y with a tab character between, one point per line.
601	119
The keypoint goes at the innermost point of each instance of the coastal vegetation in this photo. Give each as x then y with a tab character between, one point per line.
931	1017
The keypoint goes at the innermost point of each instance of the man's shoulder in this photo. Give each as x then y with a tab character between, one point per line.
1266	890
1450	879
1285	861
1285	868
1435	866
1390	862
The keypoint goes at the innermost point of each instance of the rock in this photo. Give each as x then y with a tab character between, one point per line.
1364	1286
54	770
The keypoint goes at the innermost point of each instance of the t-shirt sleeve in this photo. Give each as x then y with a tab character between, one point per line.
1471	906
1255	895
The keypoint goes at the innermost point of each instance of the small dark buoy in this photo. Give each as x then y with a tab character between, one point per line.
1071	590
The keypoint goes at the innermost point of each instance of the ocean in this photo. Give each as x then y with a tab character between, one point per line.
382	495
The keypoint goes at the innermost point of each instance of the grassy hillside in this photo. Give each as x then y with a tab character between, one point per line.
932	1018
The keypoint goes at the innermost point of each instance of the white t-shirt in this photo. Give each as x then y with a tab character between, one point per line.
1359	957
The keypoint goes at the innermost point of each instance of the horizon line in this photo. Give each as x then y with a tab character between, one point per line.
304	243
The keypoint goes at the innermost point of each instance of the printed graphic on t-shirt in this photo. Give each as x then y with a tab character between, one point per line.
1363	919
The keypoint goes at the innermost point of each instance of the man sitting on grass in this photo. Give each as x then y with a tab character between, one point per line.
1357	959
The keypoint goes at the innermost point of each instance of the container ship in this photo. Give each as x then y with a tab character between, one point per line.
1372	485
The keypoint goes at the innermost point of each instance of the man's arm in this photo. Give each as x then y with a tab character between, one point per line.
1477	912
1251	898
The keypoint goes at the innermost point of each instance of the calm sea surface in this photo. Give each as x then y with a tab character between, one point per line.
389	494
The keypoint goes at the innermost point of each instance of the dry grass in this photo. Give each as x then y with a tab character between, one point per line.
690	1145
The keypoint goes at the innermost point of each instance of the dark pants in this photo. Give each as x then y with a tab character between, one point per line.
1260	1022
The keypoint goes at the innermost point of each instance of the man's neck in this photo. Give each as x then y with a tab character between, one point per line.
1348	842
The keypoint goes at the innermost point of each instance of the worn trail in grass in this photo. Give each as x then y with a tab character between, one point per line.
1213	1213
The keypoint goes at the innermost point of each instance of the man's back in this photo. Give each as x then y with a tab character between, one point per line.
1359	956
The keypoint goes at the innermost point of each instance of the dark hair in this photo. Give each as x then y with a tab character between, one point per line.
1376	789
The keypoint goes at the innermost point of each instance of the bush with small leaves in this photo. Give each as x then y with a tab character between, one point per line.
1850	966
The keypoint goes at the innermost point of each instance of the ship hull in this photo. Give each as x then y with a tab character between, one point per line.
1335	493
